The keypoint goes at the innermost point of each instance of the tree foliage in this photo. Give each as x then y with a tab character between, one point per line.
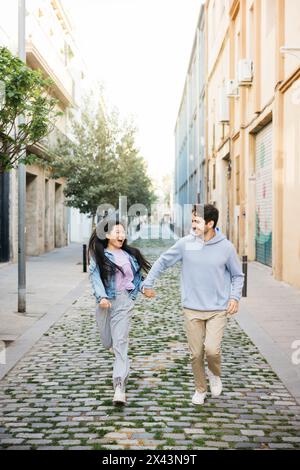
28	94
101	163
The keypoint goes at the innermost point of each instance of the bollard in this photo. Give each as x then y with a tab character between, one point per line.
245	271
84	258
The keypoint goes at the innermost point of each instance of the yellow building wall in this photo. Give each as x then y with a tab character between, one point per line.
291	201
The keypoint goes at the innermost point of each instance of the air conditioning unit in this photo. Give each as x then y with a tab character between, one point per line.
223	106
245	72
232	89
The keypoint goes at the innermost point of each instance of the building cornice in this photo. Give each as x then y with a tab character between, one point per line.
286	84
234	9
35	60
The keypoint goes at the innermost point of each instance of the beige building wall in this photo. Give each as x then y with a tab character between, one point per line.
50	47
290	157
46	213
255	30
217	108
291	186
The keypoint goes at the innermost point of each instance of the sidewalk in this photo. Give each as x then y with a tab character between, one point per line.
270	315
54	282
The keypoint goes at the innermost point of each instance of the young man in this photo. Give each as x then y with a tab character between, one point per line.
211	287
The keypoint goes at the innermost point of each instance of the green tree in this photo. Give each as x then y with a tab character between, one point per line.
101	163
132	171
27	93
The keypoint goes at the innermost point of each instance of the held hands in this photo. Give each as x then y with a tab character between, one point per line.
104	303
148	292
233	307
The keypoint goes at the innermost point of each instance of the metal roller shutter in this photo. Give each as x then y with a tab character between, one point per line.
263	236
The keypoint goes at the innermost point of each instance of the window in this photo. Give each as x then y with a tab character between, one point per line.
213	20
270	15
214	176
251	34
237	179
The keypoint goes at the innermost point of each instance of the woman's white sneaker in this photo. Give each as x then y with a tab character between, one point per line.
198	398
215	383
119	396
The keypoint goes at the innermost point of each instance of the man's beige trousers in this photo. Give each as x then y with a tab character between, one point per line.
204	332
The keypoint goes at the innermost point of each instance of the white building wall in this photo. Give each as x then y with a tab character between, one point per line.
80	226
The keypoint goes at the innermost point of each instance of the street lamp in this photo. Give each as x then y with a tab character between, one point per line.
21	178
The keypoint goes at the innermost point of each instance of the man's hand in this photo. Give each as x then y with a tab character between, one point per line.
232	307
104	303
148	292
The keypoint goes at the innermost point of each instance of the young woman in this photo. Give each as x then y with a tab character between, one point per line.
116	276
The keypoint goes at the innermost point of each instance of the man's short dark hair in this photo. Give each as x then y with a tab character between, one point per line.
211	213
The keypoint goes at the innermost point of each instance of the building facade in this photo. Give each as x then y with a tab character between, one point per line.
50	47
252	120
217	111
260	102
189	180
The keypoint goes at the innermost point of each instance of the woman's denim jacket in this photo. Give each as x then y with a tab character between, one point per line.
109	291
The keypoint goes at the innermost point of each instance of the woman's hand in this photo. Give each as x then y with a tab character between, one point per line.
104	303
150	293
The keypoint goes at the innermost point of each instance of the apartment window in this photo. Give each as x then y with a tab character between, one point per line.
68	53
213	20
208	174
213	120
237	51
251	34
214	176
221	9
270	15
237	179
196	150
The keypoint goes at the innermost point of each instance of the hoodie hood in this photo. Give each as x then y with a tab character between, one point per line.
216	239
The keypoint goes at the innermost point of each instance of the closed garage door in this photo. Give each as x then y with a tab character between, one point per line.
263	238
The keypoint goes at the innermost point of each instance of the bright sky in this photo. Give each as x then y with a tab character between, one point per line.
139	50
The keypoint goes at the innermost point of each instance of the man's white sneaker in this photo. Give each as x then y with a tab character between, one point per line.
215	383
198	398
119	396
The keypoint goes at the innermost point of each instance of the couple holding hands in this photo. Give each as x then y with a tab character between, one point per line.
211	287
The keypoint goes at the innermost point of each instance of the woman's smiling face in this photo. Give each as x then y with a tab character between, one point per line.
116	236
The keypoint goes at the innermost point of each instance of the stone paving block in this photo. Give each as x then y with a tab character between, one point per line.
217	444
280	446
10	440
69	442
252	432
66	401
50	448
38	441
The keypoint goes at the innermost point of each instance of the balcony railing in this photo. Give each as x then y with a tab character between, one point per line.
41	54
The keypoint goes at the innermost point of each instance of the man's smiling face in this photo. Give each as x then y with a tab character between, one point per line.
198	225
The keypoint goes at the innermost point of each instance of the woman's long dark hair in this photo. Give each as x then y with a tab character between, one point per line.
105	265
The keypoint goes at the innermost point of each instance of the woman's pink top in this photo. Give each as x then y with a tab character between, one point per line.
123	281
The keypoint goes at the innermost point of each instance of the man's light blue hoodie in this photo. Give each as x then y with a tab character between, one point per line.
211	273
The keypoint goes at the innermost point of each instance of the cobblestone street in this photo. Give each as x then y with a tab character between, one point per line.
59	396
